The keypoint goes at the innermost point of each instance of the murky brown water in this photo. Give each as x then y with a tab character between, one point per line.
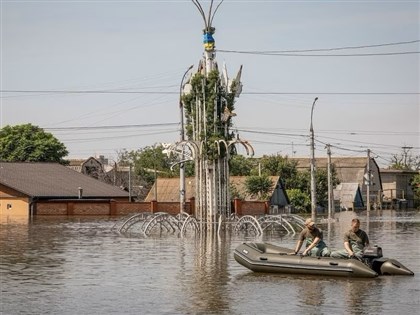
79	266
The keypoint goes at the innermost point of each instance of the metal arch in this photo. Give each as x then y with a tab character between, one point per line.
159	218
233	217
269	219
249	219
219	225
177	219
289	224
178	147
117	225
201	148
189	221
244	143
192	146
132	220
182	216
218	142
248	147
298	219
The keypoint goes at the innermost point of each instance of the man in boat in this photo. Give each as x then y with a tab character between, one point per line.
355	242
315	246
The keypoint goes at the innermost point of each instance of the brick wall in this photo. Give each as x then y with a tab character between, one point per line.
112	207
250	207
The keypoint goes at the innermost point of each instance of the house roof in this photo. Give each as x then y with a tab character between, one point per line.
76	162
54	180
402	172
348	169
339	162
347	193
168	188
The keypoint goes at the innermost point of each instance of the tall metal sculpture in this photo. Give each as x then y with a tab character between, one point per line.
207	102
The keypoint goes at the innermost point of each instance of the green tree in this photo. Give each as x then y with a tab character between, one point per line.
277	165
235	192
286	169
151	159
29	143
300	200
148	159
240	165
415	185
258	186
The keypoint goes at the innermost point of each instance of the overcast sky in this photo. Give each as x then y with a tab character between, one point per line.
368	99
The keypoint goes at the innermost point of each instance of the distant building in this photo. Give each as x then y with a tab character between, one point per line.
91	167
351	170
396	186
24	186
167	190
348	196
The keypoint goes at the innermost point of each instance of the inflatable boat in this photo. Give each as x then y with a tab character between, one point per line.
265	257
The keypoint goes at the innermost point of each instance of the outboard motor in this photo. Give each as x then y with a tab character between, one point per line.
373	252
385	266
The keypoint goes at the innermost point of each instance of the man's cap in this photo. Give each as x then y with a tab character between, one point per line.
309	222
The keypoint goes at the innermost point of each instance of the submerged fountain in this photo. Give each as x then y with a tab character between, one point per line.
207	99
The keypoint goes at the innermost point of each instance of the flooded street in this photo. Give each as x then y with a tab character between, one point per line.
78	265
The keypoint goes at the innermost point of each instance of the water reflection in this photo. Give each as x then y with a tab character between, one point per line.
79	266
359	295
206	281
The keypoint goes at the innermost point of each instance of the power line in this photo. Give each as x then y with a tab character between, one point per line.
176	93
110	127
323	55
331	93
293	52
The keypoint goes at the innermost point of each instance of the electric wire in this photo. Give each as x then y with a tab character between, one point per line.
177	93
301	52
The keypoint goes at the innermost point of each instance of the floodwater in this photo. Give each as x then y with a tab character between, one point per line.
78	265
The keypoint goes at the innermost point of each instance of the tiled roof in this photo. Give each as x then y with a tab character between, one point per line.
168	188
54	181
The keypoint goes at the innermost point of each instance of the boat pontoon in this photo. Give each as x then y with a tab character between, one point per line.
265	257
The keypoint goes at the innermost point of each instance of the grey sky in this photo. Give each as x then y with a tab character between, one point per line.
146	46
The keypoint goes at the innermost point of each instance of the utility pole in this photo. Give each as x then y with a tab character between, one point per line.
368	180
155	171
115	173
329	179
313	183
130	192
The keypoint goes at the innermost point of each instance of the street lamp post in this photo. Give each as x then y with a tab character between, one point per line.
313	183
182	138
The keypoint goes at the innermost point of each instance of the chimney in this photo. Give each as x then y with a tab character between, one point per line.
80	192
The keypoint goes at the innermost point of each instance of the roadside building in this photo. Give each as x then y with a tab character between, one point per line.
351	170
397	190
167	190
92	167
347	196
28	189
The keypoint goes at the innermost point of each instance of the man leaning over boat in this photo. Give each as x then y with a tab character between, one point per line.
315	246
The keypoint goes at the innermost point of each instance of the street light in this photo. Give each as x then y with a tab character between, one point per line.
182	138
313	184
